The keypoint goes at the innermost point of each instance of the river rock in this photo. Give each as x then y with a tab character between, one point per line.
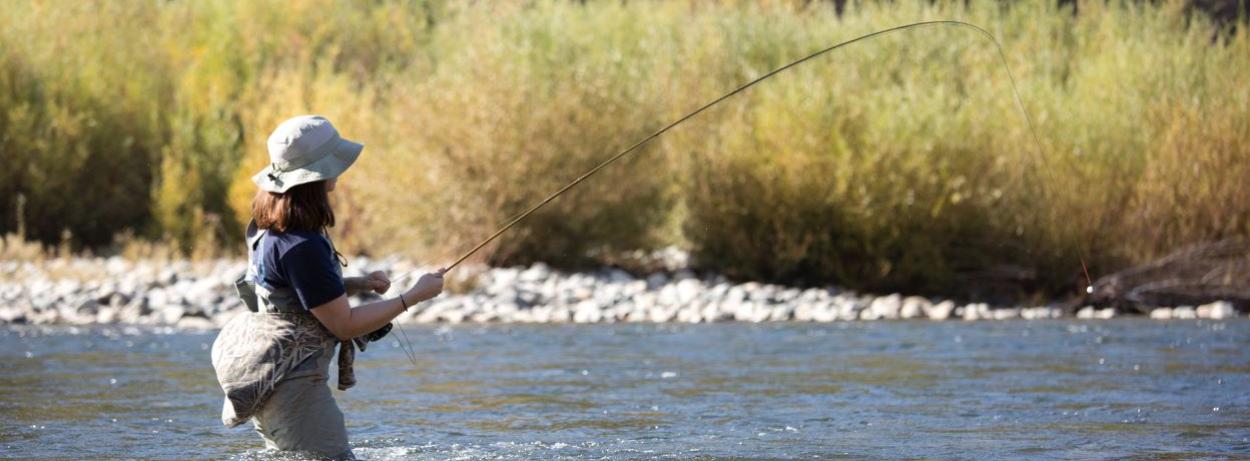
977	311
9	314
1037	313
941	311
1217	310
803	311
107	315
848	308
781	313
824	312
145	292
662	314
913	307
87	307
1184	313
885	307
1005	314
1086	312
535	273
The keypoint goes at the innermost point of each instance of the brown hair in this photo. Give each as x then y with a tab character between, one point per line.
303	207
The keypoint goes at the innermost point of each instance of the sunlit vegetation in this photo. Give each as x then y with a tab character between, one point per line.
903	162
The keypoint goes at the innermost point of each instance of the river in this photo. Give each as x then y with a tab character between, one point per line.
1061	389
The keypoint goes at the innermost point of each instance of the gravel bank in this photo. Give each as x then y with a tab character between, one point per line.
185	294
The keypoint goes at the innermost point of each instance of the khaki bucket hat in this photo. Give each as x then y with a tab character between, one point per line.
305	149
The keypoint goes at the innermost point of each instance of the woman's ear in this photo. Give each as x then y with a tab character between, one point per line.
330	183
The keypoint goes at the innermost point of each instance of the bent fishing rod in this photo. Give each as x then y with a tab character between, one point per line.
946	22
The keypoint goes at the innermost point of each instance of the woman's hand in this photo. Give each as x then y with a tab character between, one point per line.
377	281
427	287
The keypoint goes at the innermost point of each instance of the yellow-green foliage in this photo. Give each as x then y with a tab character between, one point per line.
901	162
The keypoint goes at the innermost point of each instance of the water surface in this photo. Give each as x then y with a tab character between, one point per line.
1121	389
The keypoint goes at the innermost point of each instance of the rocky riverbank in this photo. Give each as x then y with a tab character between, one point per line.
185	294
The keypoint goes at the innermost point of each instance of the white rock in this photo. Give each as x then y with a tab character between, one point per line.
824	313
1035	313
913	307
521	316
171	314
788	294
157	298
535	273
810	294
803	311
107	315
977	311
886	307
429	314
1184	313
689	314
484	317
688	290
743	311
667	296
1162	313
848	309
637	315
759	314
452	316
940	311
781	313
716	312
46	317
9	314
1086	312
1217	310
662	314
1006	313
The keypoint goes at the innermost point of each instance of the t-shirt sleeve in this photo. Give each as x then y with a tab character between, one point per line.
309	268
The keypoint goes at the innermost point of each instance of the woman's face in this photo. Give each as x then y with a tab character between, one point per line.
330	184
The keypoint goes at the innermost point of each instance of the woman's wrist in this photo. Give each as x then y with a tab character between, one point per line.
353	284
412	298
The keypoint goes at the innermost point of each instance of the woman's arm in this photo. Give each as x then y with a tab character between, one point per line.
346	322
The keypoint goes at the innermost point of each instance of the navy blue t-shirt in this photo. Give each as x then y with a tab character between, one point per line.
304	262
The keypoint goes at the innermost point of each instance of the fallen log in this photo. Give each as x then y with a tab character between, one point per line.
1197	274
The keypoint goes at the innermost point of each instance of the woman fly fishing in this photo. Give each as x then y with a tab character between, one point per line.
273	363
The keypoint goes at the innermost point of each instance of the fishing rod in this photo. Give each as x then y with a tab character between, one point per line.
945	22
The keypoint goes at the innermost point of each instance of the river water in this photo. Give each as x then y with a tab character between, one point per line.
1125	388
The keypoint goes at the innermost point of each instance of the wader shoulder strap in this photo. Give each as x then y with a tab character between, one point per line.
244	285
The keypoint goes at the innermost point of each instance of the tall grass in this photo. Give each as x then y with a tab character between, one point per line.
899	163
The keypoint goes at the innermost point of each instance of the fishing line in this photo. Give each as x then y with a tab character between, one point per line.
1001	56
406	345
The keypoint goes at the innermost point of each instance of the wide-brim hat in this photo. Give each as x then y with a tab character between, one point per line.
305	149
